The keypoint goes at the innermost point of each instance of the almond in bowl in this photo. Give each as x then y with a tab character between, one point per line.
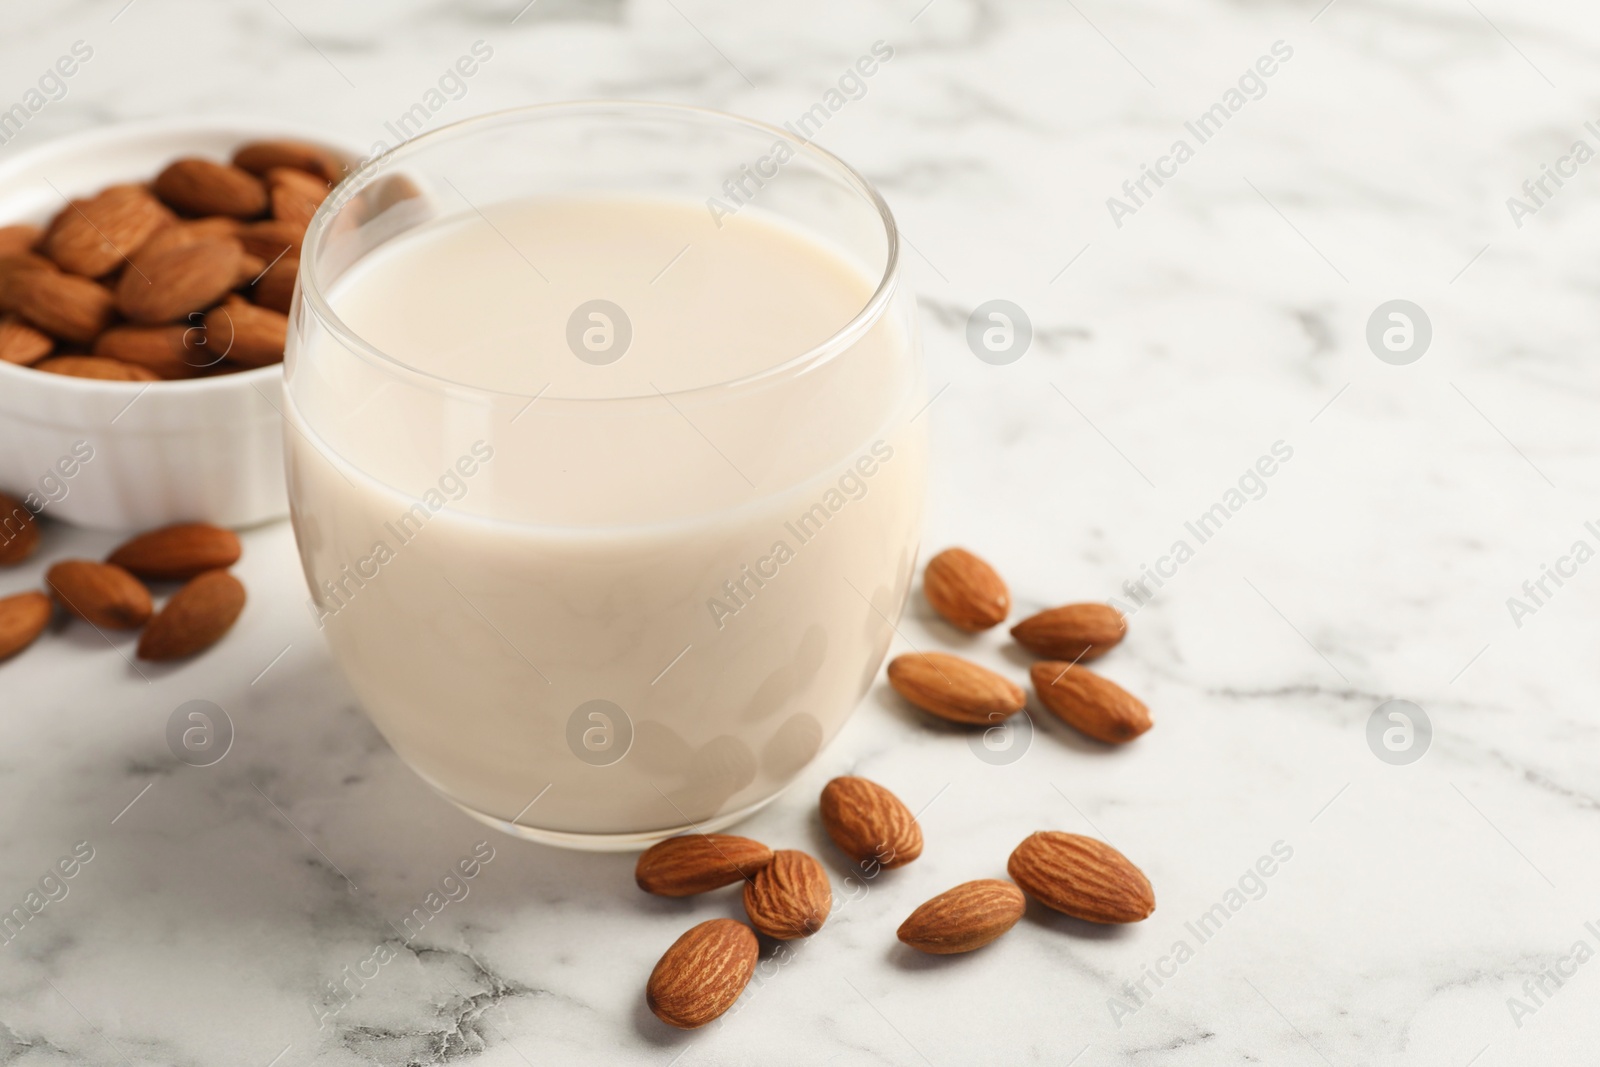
169	252
143	314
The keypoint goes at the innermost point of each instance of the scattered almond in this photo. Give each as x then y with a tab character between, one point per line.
964	918
197	186
109	595
1089	703
248	335
789	897
98	235
295	195
22	344
275	290
167	285
703	973
101	367
177	553
965	590
19	531
869	823
100	593
195	618
162	350
955	689
1081	877
697	863
63	305
1076	633
23	618
260	157
15	240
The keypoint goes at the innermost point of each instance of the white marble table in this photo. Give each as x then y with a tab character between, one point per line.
1227	311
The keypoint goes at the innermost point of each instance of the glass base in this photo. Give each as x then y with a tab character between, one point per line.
634	842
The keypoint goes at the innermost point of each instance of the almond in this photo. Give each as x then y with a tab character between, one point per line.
167	285
955	689
19	531
15	240
12	270
23	618
1076	633
97	235
1081	877
696	863
275	289
197	186
869	824
964	918
789	897
56	220
965	590
703	973
271	238
260	157
250	268
206	355
1089	703
295	194
190	233
100	593
177	553
100	367
162	350
22	344
63	305
248	335
195	617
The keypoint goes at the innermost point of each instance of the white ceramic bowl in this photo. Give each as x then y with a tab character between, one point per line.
208	449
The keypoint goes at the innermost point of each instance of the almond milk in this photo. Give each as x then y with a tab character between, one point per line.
606	596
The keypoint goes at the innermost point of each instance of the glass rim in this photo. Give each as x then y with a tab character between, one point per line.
314	295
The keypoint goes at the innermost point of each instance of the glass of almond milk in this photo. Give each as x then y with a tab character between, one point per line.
604	459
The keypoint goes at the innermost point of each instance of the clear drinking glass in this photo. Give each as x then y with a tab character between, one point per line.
606	553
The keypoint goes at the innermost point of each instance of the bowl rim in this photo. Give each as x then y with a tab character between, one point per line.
13	375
